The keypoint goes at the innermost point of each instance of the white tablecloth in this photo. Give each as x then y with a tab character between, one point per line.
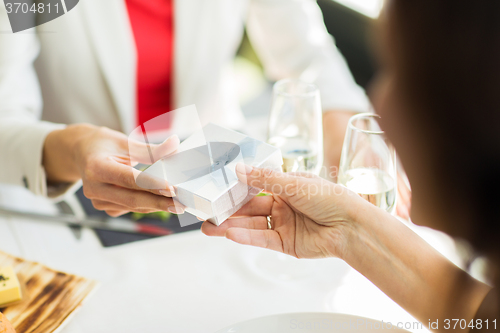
193	283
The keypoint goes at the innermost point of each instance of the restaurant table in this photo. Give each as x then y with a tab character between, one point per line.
189	282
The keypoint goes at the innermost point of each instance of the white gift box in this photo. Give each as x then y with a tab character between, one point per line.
203	171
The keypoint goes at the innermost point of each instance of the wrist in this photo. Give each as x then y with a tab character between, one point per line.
60	153
355	225
365	222
75	135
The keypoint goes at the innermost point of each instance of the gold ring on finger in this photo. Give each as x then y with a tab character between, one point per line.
269	224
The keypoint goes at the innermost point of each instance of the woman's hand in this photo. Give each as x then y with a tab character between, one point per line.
100	157
311	217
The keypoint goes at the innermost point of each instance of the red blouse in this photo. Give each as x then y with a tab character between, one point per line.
152	24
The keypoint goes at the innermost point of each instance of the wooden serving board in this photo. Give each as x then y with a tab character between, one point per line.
50	297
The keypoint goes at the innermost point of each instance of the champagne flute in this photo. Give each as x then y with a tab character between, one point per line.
368	162
295	125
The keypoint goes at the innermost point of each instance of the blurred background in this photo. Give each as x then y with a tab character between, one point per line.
348	21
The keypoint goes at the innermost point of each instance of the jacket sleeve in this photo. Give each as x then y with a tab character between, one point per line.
22	134
291	40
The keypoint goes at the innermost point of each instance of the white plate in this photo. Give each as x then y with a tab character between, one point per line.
323	322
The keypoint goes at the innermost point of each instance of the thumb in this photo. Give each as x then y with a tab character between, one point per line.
149	153
270	180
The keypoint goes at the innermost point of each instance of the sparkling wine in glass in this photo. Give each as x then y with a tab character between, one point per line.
368	162
295	125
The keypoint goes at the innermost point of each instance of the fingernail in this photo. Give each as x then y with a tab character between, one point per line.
175	210
168	193
243	168
174	138
172	190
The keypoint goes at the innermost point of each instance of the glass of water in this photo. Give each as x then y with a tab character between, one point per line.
295	125
368	162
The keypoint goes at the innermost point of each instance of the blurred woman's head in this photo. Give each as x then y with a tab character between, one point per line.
439	97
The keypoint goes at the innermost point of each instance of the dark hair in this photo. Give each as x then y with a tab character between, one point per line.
446	60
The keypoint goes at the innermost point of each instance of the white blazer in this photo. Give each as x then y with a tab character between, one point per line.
81	67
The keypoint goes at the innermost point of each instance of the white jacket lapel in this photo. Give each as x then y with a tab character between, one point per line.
112	38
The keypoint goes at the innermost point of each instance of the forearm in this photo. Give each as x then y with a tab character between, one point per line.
58	153
334	128
410	271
